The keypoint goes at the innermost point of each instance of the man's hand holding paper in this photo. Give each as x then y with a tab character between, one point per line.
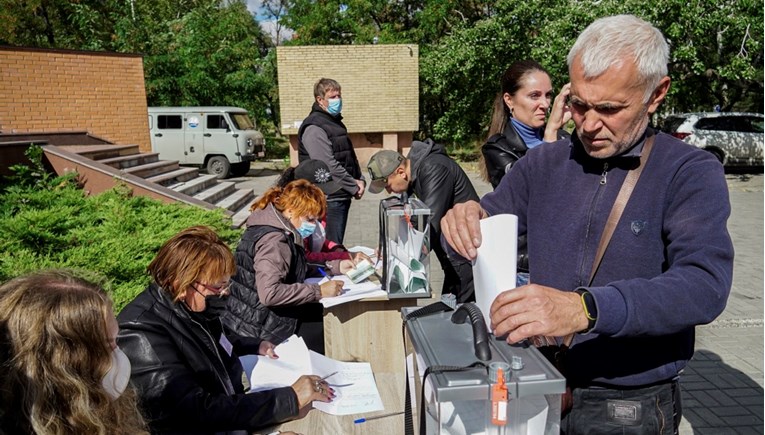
462	229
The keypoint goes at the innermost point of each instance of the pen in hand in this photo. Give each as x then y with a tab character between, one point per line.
362	420
331	374
324	274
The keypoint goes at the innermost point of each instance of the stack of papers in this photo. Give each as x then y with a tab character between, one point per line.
361	272
355	388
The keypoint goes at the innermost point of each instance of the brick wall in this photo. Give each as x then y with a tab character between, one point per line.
380	85
62	90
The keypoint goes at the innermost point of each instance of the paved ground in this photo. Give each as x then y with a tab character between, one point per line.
723	385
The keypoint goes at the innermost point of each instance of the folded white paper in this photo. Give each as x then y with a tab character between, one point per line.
494	268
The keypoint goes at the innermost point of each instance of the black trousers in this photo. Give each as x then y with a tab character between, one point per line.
655	409
458	274
337	219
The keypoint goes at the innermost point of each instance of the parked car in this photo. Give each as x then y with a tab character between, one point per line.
221	139
736	139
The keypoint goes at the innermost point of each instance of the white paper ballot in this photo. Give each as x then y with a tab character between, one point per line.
351	292
355	388
494	268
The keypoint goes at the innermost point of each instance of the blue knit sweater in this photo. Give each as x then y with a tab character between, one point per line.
669	264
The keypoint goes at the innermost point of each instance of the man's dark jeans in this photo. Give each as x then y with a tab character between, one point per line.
649	410
458	274
337	219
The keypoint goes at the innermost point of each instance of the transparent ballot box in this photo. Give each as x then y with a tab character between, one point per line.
460	402
405	245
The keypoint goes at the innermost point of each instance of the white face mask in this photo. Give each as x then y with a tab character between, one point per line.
116	379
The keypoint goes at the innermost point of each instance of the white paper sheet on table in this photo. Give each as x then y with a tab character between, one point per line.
351	291
494	269
354	383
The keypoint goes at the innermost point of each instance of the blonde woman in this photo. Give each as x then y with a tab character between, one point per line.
61	371
186	370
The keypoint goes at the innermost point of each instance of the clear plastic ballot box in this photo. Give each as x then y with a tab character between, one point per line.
405	245
458	402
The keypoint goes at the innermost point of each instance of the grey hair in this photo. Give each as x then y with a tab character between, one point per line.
607	41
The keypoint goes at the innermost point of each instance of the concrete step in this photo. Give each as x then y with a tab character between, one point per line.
150	169
236	200
124	162
216	192
175	178
98	152
194	185
240	217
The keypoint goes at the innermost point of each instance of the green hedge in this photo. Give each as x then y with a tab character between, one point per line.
49	222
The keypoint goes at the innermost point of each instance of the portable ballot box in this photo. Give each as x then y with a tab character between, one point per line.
405	242
458	402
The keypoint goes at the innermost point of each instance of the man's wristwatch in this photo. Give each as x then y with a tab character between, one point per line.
590	309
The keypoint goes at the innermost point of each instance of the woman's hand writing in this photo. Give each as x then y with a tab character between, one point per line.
309	388
331	288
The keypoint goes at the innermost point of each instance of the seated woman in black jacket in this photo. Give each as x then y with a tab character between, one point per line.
518	119
187	372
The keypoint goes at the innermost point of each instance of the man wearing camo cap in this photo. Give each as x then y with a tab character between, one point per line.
438	181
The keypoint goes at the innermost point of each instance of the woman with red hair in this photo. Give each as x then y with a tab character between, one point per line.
269	297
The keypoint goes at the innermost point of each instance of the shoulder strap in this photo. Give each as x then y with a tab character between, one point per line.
621	202
616	213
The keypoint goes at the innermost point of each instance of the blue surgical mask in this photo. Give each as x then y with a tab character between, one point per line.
335	106
306	229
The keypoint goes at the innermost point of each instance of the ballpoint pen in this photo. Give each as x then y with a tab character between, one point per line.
331	374
363	419
324	274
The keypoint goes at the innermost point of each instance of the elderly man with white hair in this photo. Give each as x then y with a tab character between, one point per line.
626	227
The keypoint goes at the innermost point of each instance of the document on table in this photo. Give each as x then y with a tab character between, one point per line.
494	269
354	384
351	291
355	388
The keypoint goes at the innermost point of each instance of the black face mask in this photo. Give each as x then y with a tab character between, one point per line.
215	306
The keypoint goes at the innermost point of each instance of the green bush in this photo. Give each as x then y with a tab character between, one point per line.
48	222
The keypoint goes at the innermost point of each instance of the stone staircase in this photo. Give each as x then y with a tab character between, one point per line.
168	173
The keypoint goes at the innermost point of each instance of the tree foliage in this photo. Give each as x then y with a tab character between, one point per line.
213	52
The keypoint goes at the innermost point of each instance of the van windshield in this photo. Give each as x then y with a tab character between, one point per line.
242	121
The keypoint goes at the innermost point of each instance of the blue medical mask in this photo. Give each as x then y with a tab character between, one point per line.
306	229
335	106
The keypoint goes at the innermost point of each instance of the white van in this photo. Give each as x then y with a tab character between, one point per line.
221	139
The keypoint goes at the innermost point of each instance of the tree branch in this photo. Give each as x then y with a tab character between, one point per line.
742	52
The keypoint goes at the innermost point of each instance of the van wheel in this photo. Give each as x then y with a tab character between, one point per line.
218	166
240	169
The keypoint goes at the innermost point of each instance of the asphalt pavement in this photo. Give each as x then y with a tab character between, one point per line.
723	384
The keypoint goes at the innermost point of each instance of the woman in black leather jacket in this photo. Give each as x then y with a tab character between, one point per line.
186	370
518	124
518	120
